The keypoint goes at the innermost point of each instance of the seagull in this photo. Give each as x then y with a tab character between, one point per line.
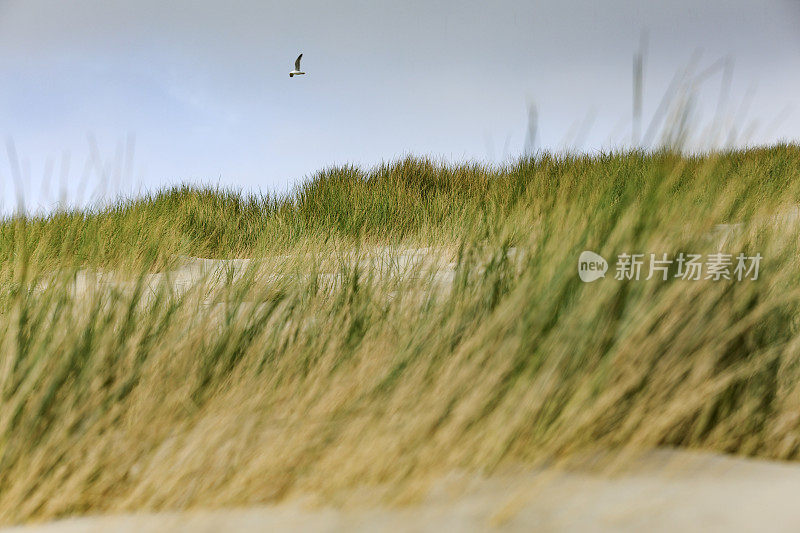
296	70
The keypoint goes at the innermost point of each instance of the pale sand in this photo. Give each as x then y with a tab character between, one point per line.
664	491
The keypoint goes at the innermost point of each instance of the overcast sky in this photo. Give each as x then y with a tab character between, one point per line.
201	89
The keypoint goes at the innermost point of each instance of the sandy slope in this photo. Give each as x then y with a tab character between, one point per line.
664	491
434	265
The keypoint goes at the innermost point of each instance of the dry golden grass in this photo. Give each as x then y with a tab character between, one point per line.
310	371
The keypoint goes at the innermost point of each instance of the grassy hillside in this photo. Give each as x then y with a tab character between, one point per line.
312	373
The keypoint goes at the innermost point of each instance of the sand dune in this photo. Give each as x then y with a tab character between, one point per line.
663	491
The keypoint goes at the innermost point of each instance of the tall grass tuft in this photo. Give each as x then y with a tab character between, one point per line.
327	362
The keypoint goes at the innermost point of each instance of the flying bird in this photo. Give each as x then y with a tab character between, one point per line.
296	70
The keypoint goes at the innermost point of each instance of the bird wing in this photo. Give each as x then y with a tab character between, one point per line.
297	62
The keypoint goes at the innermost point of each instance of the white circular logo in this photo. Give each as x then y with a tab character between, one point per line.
591	266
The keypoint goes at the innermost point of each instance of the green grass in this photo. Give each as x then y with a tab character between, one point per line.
314	374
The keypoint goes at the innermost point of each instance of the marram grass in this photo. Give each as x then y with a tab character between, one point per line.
312	373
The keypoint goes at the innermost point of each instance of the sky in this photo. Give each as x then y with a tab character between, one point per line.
104	97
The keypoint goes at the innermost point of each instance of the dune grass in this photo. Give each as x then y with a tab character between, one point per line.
312	378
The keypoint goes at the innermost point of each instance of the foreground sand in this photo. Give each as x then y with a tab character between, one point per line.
663	491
